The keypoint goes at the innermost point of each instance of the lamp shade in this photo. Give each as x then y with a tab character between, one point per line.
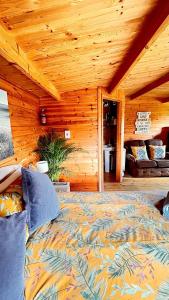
42	166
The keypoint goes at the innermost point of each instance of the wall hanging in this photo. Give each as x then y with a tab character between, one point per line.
143	122
6	144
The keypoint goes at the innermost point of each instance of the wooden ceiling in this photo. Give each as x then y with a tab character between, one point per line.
161	92
9	73
76	44
153	64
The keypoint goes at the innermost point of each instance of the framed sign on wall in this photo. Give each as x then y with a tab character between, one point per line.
143	122
6	144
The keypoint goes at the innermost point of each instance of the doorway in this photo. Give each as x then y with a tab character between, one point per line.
118	97
109	139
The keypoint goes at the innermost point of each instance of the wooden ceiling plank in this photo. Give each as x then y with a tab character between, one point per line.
154	84
154	24
11	51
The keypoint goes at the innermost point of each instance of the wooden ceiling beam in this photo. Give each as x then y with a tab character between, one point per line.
11	51
163	100
151	86
154	24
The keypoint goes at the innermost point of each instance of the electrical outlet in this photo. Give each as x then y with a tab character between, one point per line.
67	134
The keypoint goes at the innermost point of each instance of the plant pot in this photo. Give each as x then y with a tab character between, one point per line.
62	186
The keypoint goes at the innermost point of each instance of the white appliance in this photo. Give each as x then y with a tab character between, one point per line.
108	158
109	163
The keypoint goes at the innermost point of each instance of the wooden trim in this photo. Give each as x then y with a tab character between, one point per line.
154	24
154	84
12	52
100	139
120	138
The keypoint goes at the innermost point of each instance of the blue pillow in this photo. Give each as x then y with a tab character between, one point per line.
12	256
166	207
40	197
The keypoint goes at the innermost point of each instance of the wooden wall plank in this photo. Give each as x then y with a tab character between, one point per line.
24	117
159	118
77	112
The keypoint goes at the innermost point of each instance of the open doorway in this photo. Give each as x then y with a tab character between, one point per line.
117	97
109	139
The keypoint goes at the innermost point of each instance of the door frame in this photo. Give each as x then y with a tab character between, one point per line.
116	96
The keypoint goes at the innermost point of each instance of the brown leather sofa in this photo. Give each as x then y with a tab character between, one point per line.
146	168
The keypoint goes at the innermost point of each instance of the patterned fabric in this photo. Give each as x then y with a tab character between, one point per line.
157	151
10	203
103	246
139	152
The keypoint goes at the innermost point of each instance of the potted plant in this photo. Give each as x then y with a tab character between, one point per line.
55	150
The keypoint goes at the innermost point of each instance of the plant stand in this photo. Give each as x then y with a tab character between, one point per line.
62	186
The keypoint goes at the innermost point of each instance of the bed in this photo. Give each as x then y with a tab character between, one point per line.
102	246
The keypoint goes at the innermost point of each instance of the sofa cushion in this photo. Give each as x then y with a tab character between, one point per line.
146	163
162	163
139	152
157	152
133	143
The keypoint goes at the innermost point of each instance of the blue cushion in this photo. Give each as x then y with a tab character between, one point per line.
166	207
12	256
40	197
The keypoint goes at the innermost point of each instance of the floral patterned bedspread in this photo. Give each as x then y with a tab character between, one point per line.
112	245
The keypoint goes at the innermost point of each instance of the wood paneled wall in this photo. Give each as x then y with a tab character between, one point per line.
77	112
159	118
24	116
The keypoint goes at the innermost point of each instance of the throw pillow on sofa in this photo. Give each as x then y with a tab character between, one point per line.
157	151
139	152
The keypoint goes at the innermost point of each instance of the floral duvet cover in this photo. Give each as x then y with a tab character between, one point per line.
112	245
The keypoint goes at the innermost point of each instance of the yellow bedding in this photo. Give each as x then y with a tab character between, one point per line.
102	246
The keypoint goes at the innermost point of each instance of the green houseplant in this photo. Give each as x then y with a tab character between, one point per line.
55	150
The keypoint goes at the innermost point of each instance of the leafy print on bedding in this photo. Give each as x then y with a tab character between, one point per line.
127	210
125	260
57	260
132	289
93	289
98	226
124	234
60	261
163	291
49	294
36	238
158	251
101	247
